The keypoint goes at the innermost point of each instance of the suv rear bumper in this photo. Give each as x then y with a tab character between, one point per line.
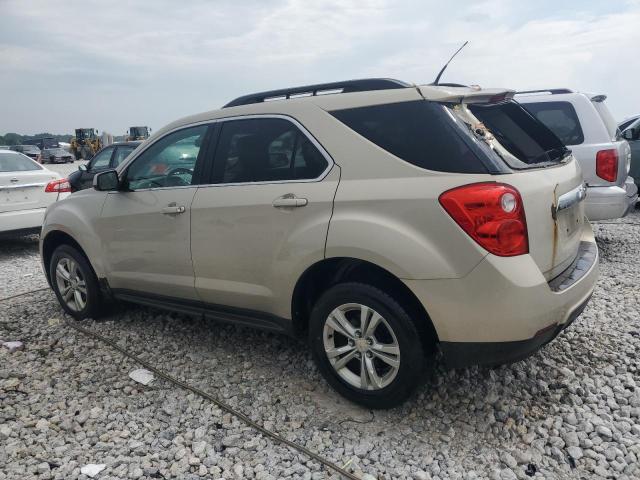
604	203
505	309
460	355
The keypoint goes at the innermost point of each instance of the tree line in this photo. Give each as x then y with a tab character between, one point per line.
17	139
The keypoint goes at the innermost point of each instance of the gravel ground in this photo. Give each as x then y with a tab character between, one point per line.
570	411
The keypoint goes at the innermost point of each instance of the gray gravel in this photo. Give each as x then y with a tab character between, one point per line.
570	411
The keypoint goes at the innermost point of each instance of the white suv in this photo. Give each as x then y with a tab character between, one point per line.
584	124
381	220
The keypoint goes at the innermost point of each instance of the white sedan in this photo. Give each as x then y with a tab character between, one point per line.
26	190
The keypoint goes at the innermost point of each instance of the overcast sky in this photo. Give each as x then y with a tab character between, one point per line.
112	64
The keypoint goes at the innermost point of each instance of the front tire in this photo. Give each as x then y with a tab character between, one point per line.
366	345
75	283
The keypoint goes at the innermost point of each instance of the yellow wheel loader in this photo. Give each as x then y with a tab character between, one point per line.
137	133
86	143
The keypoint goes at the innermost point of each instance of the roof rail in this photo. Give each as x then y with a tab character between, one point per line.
347	86
552	91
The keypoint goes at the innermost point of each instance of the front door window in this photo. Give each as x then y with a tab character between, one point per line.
170	162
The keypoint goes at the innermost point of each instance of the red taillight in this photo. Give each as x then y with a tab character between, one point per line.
607	165
492	214
58	186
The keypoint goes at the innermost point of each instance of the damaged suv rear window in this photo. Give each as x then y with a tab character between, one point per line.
419	132
530	143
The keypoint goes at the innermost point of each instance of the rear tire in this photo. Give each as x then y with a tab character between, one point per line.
388	348
75	283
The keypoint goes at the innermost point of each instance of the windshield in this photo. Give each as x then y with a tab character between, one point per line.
85	133
14	162
138	131
624	125
515	135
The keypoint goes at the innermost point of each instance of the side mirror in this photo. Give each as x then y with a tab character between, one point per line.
106	181
631	134
83	167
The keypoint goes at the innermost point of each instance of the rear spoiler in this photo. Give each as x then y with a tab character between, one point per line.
473	94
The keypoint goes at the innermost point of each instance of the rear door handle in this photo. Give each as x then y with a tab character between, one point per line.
289	201
173	210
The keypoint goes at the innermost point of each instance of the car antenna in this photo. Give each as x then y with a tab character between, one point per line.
435	82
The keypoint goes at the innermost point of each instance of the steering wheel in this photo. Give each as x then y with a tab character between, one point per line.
180	171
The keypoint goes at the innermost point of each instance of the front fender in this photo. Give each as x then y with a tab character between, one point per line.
76	216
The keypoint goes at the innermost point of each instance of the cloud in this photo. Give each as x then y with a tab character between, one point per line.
109	64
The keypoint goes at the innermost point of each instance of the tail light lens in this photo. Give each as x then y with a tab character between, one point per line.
58	186
492	214
607	165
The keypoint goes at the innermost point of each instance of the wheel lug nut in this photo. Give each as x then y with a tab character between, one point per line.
358	334
369	355
369	342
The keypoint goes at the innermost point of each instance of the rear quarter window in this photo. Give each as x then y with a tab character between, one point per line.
560	118
419	132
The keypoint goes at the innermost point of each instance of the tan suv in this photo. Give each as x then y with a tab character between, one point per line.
385	221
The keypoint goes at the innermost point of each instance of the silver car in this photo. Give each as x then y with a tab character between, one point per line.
381	220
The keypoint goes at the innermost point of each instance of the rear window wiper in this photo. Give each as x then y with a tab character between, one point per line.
564	152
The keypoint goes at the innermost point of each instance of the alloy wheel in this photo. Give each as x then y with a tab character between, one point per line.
71	284
361	346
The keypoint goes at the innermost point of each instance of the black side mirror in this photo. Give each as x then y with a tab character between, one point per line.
631	134
106	181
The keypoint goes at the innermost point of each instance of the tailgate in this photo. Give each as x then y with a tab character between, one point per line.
25	190
554	210
545	173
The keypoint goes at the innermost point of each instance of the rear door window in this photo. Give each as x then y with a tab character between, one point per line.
265	150
561	118
419	132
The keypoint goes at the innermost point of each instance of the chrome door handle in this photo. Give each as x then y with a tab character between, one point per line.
14	180
173	210
289	201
